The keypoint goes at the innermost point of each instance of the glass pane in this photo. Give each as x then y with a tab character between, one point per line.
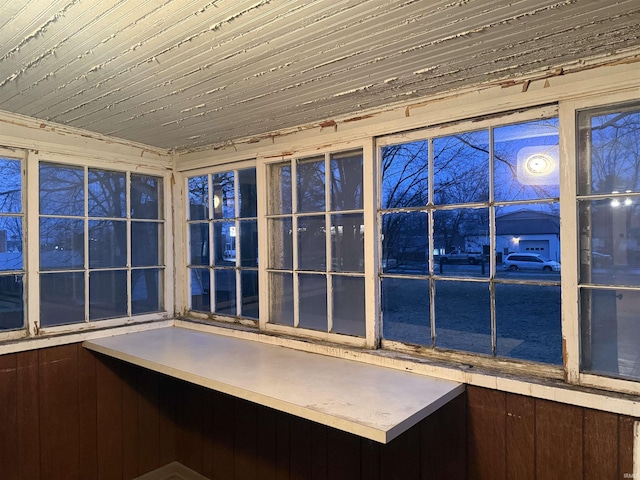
146	291
108	294
146	197
11	243
280	243
248	193
610	332
463	316
61	190
107	194
461	242
250	304
405	243
347	239
61	298
528	323
346	181
405	175
281	298
528	242
405	310
313	302
348	305
280	188
200	290
461	168
199	243
11	186
249	243
609	149
223	196
61	243
610	241
11	302
146	244
525	160
107	243
310	180
225	291
224	244
312	243
199	198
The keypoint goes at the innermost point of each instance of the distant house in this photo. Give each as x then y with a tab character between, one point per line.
529	231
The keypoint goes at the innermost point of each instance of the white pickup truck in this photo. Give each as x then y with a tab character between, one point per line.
457	256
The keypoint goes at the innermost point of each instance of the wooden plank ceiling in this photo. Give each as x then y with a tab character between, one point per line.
183	74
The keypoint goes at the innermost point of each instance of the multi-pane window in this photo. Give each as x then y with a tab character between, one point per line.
12	268
223	243
316	252
101	244
609	235
470	240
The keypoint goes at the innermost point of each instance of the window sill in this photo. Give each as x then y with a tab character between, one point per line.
371	401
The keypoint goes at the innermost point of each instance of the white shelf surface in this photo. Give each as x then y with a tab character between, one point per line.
374	402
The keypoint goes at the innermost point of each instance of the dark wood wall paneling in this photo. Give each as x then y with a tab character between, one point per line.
68	414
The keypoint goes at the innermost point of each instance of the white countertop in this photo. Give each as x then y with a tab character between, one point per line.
374	402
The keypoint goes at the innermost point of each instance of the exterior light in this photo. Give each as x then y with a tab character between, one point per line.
615	202
538	165
628	201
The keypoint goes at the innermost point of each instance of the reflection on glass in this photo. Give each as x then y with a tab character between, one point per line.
405	243
61	190
405	311
281	306
107	294
146	197
280	189
199	198
405	177
248	194
223	195
347	242
609	140
346	181
11	192
313	302
107	193
249	243
461	242
281	243
528	242
463	316
249	284
146	291
461	168
225	282
610	332
610	249
348	305
199	243
528	323
11	306
107	243
61	298
11	257
311	243
224	244
310	178
146	239
61	243
526	160
200	290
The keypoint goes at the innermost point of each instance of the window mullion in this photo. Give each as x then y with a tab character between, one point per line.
127	217
492	247
31	194
328	178
294	234
87	298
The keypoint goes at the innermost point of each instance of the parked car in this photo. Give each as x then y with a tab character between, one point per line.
456	256
530	261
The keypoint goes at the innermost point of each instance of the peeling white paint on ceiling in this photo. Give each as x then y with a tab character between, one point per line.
182	74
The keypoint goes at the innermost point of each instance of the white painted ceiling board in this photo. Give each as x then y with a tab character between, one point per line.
182	74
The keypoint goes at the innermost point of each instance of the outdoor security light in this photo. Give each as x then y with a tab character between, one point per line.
538	165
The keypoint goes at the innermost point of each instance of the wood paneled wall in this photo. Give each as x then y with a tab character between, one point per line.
67	413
